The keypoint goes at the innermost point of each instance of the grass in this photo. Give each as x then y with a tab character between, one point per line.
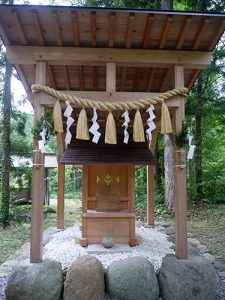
18	232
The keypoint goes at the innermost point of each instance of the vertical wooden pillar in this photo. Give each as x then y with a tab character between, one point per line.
84	240
180	192
61	182
150	195
37	177
110	77
131	193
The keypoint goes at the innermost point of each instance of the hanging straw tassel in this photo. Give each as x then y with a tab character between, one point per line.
138	128
166	126
110	130
57	116
82	126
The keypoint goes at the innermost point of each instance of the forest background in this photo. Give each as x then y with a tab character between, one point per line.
205	116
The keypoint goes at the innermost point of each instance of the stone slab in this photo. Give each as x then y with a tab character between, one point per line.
99	249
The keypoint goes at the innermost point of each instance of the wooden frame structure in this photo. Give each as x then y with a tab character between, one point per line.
108	54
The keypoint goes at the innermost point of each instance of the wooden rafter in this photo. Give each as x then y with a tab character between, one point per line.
51	76
150	79
217	35
81	78
112	25
164	80
130	28
166	29
94	76
93	29
66	76
23	78
123	79
75	29
136	79
147	32
199	34
4	36
56	25
193	77
186	25
19	28
36	21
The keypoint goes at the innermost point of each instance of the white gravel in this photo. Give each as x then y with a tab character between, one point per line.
154	247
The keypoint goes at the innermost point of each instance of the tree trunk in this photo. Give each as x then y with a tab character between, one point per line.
169	171
4	213
198	140
167	4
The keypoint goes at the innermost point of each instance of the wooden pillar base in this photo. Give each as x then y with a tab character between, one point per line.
133	242
83	242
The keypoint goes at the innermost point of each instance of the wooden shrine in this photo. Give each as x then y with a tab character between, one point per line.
116	59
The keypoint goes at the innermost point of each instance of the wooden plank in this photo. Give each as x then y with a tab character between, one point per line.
93	29
56	26
4	36
23	78
193	78
130	28
51	77
19	28
136	79
147	32
81	78
186	25
162	43
180	192
61	181
66	76
123	79
85	188
94	76
217	35
200	32
154	139
75	29
112	25
165	80
100	56
110	77
150	195
150	80
37	178
37	25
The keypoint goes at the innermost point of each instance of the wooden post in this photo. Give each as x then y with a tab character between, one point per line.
110	77
37	177
150	195
180	192
61	182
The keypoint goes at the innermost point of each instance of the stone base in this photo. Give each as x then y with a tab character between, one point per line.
99	249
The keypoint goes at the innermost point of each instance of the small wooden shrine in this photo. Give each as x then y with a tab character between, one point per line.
97	70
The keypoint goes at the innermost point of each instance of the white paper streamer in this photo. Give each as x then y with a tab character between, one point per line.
191	147
125	115
94	128
42	142
69	122
150	122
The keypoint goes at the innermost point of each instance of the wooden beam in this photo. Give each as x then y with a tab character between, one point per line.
165	80
4	36
123	79
217	35
37	178
23	78
136	79
165	33
66	76
75	29
154	139
150	195
81	78
199	34
51	77
130	28
56	26
19	28
110	77
180	192
37	25
193	78
112	25
150	80
147	32
94	76
100	56
61	181
93	29
186	25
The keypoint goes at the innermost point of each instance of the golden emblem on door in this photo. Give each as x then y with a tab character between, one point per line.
108	179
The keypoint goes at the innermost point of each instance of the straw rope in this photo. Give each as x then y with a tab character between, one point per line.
109	106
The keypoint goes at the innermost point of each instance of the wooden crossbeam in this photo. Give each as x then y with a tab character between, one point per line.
56	26
150	79
37	26
112	24
100	56
147	32
51	77
165	33
130	28
199	34
93	29
19	28
186	25
75	29
123	79
164	80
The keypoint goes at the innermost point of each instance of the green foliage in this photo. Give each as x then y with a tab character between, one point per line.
46	122
181	137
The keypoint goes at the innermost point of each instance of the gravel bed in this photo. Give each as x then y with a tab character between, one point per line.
220	292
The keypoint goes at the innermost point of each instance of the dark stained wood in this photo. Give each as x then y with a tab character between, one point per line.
55	21
51	77
93	29
81	78
165	33
19	28
66	76
147	32
95	82
112	23
136	80
150	79
130	28
38	29
165	79
75	29
123	79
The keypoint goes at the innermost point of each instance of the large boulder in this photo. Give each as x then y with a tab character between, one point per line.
85	279
36	281
187	279
131	279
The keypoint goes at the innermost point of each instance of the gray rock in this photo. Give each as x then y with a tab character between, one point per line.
85	279
131	279
169	230
193	250
202	249
209	257
108	242
219	266
36	281
187	279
